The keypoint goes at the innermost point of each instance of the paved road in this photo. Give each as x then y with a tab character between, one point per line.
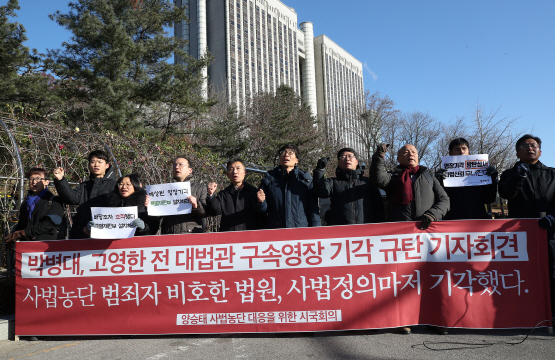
327	345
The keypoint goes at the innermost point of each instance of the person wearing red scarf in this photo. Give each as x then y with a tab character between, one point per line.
413	193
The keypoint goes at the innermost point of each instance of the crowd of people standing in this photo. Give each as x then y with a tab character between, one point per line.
287	197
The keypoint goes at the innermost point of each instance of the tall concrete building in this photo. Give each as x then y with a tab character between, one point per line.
258	45
339	88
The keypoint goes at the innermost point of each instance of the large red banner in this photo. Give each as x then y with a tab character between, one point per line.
472	274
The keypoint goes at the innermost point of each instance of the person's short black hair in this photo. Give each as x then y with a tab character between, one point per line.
291	147
458	142
234	160
100	154
37	170
182	157
526	137
351	150
133	178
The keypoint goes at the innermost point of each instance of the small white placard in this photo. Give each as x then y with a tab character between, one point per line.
169	199
113	222
466	170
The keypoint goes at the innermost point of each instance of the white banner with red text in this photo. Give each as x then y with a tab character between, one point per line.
471	274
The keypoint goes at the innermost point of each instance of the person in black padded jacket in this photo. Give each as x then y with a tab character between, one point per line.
354	200
127	192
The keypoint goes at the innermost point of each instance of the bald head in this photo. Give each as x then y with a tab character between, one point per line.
408	156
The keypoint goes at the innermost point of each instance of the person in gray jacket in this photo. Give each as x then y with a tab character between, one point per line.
412	192
186	223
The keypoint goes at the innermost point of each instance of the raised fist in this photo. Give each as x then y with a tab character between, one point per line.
322	163
381	150
212	188
58	173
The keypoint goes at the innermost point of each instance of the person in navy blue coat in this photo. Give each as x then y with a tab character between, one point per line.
286	194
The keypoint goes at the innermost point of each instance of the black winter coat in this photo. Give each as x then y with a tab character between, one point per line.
45	219
114	199
187	223
290	201
530	195
239	208
468	202
527	197
429	196
81	195
354	200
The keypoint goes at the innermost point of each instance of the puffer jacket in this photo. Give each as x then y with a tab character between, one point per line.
81	195
239	208
354	200
530	195
429	196
44	221
290	201
114	199
187	223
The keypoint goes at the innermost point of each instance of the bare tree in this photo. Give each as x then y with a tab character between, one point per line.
415	128
423	131
371	117
488	132
495	135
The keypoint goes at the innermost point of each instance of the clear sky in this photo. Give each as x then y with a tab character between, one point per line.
439	56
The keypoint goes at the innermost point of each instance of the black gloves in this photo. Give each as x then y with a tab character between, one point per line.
322	163
546	222
441	174
427	220
381	150
491	171
522	169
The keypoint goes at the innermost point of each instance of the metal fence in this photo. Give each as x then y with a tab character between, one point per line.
25	144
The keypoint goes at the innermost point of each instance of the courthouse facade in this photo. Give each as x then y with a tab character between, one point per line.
258	45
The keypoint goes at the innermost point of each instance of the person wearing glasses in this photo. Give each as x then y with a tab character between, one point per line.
186	223
101	181
529	187
354	200
286	195
40	214
127	192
